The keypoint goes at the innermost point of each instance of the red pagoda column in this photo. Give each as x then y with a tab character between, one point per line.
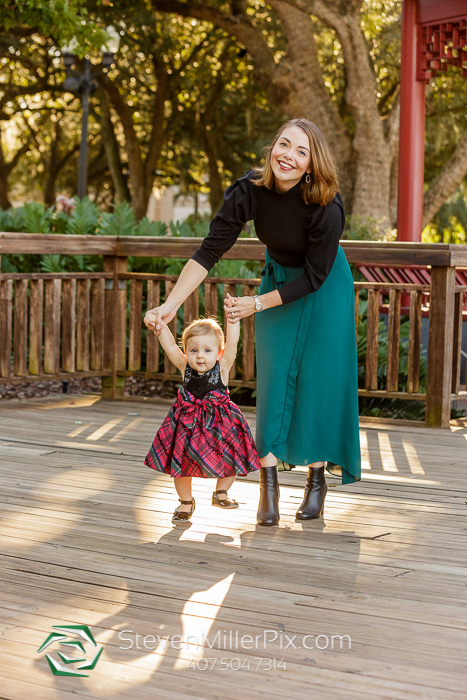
412	132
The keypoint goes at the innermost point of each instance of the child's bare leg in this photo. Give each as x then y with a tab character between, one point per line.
224	484
183	487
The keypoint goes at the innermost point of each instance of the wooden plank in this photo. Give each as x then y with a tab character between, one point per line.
253	282
114	325
115	314
6	314
120	320
210	297
356	309
152	342
36	317
52	326
384	394
438	404
169	247
415	335
136	308
370	252
173	378
372	338
54	275
56	244
457	344
20	329
57	375
169	368
68	325
96	361
386	286
394	317
83	314
191	308
248	329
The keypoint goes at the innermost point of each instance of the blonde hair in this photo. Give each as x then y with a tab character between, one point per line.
203	326
323	177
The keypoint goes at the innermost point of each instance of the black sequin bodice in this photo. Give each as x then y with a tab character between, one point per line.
201	384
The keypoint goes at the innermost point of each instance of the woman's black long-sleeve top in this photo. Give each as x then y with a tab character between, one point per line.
296	234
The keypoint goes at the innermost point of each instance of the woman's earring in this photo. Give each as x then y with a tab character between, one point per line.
308	178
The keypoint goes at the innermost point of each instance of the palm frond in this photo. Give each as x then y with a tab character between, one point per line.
83	219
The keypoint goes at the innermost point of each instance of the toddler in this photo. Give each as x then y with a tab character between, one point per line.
204	434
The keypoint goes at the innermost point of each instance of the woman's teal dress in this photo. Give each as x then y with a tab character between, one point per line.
307	390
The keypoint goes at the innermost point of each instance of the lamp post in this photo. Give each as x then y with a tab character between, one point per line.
83	84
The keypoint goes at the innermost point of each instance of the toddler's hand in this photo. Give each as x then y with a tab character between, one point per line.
150	319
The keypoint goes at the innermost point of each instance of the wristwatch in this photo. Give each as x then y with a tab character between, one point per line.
258	304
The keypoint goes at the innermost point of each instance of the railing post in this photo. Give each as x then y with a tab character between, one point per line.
114	327
438	391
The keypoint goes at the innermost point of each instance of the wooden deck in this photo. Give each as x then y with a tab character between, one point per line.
86	539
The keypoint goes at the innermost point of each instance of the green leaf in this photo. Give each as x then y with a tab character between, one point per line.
120	223
201	228
150	228
37	218
61	19
60	222
83	219
180	228
52	263
7	265
5	220
17	219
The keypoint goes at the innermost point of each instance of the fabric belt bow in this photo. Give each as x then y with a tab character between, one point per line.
274	268
191	409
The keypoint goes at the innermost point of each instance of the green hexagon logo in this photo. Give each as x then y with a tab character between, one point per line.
73	645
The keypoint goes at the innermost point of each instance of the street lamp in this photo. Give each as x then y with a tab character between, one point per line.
84	84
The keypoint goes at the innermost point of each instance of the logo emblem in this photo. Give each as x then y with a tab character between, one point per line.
72	645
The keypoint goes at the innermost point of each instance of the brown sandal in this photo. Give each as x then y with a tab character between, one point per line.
225	502
181	517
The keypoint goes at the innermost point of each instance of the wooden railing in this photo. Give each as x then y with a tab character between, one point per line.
207	300
56	326
56	322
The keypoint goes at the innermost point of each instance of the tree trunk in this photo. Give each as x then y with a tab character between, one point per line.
52	167
4	201
5	170
447	182
139	201
112	153
216	193
141	168
157	137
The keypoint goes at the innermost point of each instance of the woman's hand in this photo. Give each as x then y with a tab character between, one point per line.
157	317
240	307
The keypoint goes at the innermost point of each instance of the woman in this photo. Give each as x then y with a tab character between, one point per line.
307	397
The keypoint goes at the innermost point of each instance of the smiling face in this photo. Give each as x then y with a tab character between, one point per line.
202	352
290	158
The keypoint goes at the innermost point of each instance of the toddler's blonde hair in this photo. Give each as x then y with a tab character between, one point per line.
203	326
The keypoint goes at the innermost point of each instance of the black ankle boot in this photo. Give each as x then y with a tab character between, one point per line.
268	508
315	493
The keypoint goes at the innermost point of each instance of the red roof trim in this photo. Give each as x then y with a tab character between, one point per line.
430	11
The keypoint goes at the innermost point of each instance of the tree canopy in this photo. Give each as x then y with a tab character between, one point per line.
198	89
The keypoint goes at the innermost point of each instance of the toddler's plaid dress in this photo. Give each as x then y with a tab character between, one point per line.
205	434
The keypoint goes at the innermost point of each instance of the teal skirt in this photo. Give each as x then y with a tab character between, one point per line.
307	388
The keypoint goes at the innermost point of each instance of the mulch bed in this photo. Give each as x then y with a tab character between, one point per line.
134	386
